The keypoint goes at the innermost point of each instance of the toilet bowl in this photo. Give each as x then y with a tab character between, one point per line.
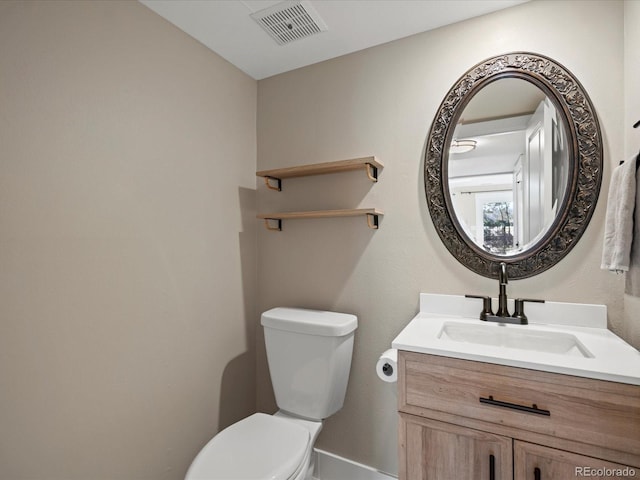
309	356
275	447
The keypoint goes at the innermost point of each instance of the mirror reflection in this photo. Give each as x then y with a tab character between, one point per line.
508	166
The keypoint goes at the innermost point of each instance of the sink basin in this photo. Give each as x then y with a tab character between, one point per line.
514	337
565	338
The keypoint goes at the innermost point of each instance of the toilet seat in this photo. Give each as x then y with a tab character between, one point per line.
260	447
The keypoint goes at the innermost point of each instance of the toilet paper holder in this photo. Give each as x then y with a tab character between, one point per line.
387	366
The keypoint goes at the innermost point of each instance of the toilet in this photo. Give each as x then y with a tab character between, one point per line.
309	356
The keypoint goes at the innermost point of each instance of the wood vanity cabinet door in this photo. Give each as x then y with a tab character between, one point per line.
536	462
431	450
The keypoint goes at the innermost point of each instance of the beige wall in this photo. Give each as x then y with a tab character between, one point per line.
127	243
632	136
381	102
127	232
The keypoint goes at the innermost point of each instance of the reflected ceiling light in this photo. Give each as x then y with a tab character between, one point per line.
462	146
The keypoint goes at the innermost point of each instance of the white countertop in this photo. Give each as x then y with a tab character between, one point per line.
610	358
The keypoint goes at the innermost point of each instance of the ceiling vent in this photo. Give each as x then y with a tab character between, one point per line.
289	21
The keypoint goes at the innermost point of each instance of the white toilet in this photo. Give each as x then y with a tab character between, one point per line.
309	355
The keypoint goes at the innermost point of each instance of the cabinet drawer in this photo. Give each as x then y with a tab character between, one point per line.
590	411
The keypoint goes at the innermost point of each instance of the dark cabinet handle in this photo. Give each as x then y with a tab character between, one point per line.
536	474
492	467
515	406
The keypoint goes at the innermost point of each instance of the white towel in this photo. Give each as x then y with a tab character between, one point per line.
618	227
632	280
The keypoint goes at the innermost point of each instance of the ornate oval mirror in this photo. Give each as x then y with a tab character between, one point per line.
513	165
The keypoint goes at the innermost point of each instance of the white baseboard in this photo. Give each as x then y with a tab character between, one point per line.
329	466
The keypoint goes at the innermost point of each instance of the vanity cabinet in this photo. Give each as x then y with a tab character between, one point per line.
462	419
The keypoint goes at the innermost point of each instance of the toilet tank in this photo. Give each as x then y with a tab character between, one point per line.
309	355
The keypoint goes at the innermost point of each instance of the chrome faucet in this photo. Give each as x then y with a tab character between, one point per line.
502	315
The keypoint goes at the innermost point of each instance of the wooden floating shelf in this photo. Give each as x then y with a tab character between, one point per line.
369	164
372	215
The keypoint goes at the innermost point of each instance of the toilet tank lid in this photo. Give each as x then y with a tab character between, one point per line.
310	322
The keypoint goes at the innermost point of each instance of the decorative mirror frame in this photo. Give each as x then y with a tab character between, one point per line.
585	169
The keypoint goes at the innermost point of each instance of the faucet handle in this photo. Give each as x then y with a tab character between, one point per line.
519	311
486	305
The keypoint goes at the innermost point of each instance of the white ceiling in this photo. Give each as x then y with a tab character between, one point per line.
225	26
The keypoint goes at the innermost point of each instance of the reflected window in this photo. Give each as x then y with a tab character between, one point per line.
497	223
